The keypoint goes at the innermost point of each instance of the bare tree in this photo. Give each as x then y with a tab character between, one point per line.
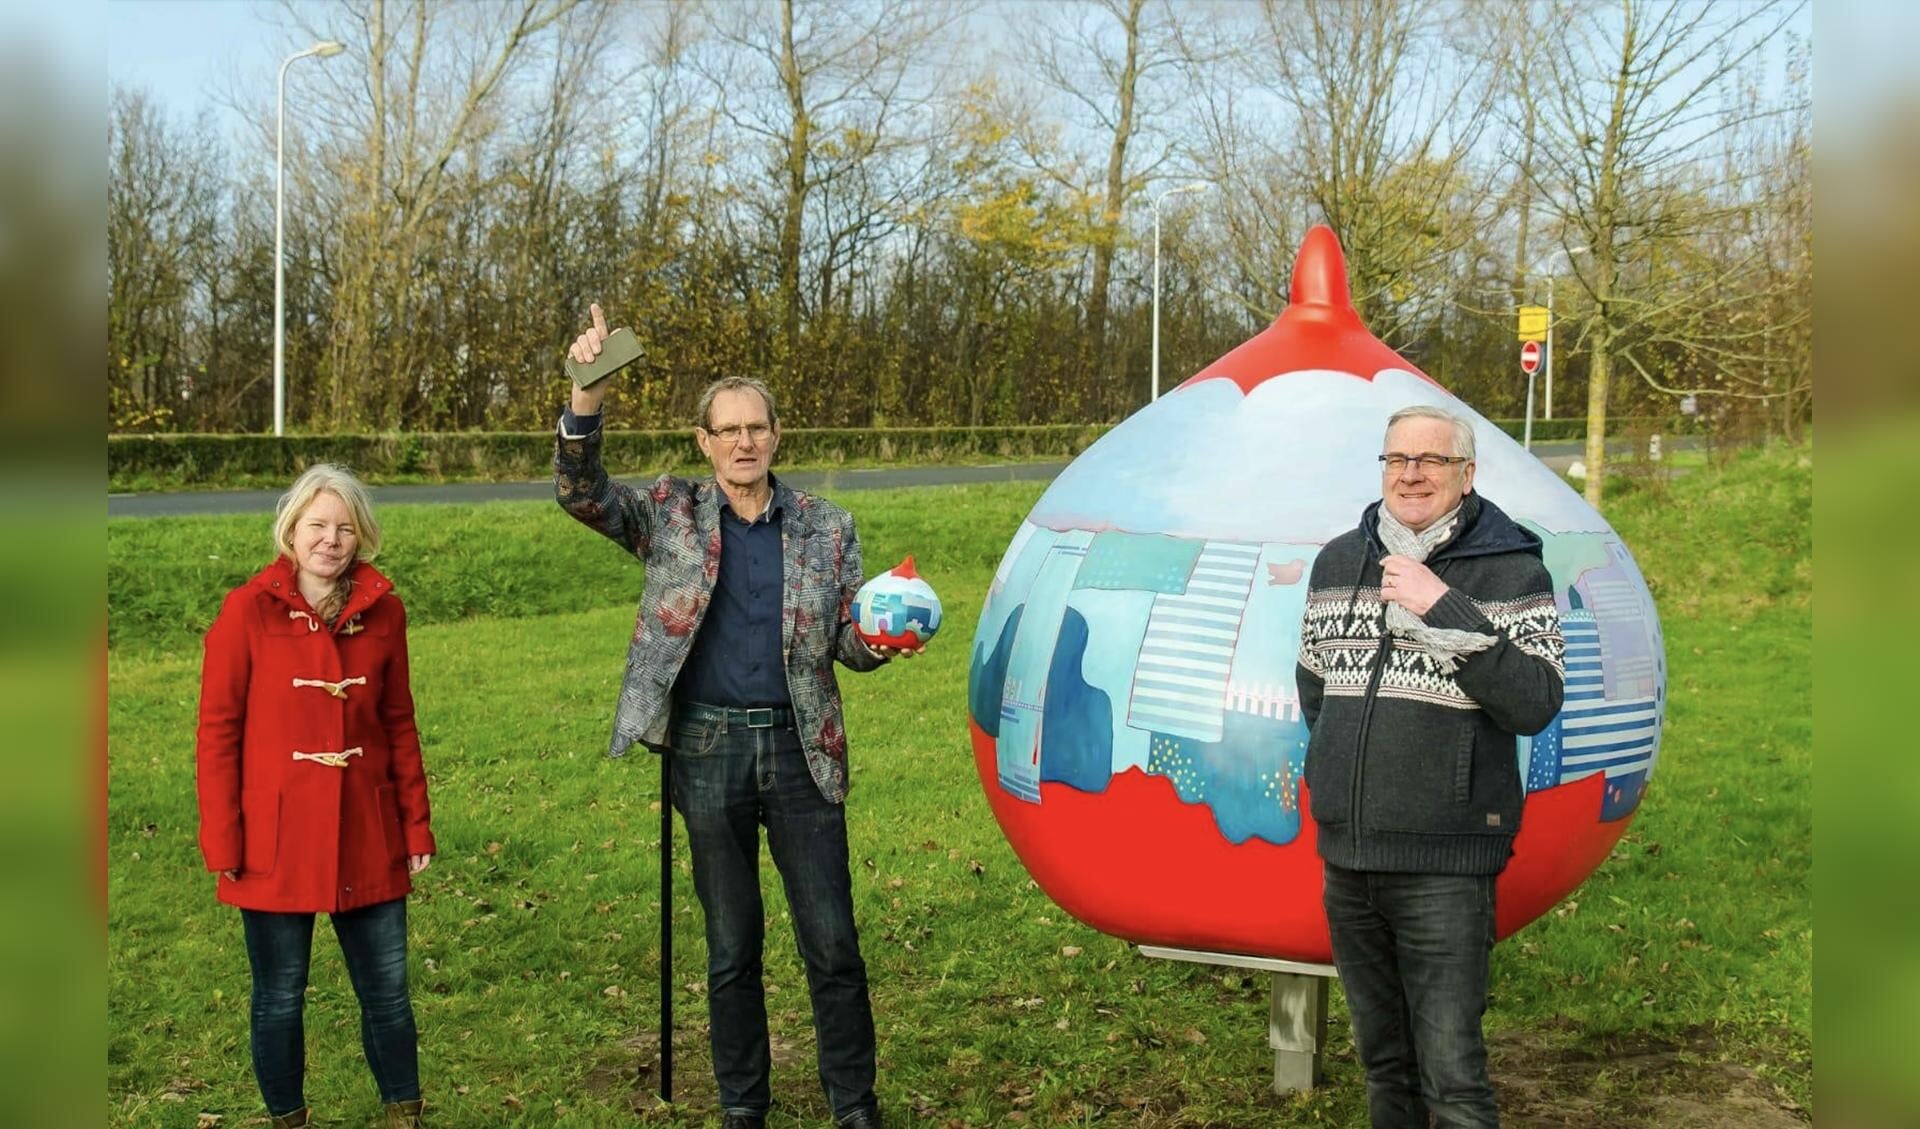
1007	240
843	194
1258	206
1387	103
1113	68
1631	102
828	92
162	201
409	114
1513	51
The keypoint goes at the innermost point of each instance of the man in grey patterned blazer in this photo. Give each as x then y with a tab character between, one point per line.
1430	640
749	586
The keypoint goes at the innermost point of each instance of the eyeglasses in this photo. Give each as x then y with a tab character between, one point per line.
732	433
1397	463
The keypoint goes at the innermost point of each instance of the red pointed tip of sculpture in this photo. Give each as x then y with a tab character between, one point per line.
1320	271
905	569
1320	330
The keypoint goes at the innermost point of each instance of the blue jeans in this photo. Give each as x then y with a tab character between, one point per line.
1412	953
727	783
280	948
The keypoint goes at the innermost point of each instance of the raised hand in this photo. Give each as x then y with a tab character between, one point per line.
586	347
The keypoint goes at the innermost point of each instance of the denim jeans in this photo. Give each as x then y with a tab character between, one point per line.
280	948
727	783
1412	953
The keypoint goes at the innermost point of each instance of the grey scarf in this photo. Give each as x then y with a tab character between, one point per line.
1447	645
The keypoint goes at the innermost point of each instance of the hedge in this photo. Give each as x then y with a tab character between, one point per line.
159	462
147	462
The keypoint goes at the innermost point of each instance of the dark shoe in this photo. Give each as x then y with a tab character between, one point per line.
861	1119
298	1119
743	1121
405	1115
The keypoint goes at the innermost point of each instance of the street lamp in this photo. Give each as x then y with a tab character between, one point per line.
1569	252
1195	186
326	48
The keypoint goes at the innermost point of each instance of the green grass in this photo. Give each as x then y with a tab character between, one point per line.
167	576
1685	972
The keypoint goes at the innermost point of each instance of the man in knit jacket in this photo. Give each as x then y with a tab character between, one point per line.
1430	640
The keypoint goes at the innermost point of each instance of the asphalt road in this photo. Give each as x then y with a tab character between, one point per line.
1555	455
458	493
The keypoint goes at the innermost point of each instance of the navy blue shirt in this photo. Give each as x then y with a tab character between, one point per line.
736	659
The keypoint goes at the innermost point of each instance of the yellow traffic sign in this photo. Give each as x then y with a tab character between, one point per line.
1533	323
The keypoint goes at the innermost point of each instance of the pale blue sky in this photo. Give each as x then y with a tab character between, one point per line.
188	53
185	52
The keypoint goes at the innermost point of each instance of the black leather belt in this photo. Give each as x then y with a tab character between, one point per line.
756	717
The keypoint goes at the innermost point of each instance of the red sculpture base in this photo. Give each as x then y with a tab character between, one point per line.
1139	863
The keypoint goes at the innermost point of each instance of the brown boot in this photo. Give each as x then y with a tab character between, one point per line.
298	1119
405	1115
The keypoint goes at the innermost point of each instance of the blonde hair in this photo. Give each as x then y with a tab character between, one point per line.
328	478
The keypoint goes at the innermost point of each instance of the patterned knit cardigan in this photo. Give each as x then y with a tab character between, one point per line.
1411	768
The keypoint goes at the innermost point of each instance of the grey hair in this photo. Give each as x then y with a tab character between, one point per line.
736	384
1462	429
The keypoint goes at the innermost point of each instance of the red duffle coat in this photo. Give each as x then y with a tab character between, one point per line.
310	778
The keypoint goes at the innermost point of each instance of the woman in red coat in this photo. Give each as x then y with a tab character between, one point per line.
312	793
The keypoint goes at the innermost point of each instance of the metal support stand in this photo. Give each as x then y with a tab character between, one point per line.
1296	1014
666	927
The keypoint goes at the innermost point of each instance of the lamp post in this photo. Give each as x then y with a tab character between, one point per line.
1569	252
323	49
1195	186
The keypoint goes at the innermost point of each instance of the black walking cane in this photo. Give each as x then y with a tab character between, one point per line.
666	927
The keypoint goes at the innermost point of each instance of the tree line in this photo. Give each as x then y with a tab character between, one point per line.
939	212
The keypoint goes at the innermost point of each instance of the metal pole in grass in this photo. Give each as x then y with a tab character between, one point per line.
666	927
1553	355
325	49
1196	186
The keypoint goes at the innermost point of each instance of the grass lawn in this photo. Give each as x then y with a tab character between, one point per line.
1675	987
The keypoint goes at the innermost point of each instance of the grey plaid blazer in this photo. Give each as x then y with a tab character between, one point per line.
673	527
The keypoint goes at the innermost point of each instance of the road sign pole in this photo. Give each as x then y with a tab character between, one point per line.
1529	364
1549	365
1527	439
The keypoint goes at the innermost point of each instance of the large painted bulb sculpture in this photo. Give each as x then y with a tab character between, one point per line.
1132	702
